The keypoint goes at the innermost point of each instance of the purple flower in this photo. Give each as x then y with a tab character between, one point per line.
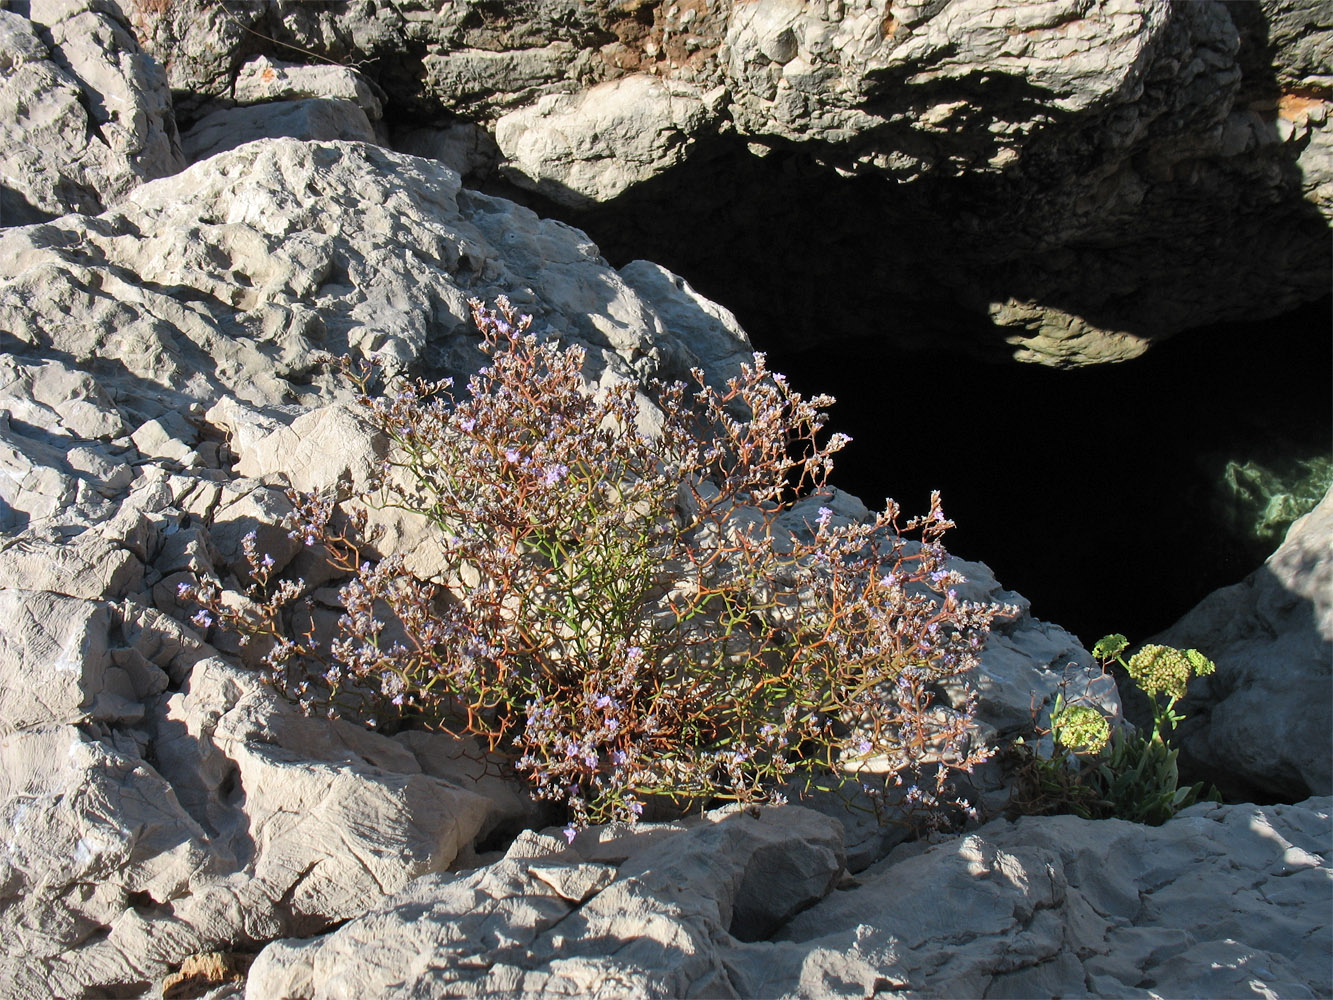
603	701
182	589
512	454
267	562
554	474
570	833
203	619
466	424
619	757
824	516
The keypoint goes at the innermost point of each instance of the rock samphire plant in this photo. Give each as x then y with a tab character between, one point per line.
1098	774
633	607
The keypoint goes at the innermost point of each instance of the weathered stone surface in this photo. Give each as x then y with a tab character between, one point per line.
640	914
200	311
262	79
596	145
467	149
320	118
1221	900
1208	904
84	114
1261	723
1081	180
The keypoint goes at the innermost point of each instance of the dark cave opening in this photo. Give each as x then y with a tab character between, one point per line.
1096	492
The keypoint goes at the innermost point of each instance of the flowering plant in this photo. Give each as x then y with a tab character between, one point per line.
1095	773
633	611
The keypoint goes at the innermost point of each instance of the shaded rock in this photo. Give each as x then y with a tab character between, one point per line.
1260	725
84	114
319	118
462	147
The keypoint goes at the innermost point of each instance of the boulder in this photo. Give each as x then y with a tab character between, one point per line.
596	145
262	80
321	118
85	115
166	378
1260	725
1063	183
749	903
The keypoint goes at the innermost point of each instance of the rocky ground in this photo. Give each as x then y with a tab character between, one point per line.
161	385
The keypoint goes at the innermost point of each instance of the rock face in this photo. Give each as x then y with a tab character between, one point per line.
1072	179
162	386
164	378
84	114
1221	901
1260	725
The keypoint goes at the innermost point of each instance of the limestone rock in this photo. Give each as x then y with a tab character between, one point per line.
596	145
467	149
166	377
320	118
595	919
1260	724
1062	906
1067	179
84	114
262	80
1219	900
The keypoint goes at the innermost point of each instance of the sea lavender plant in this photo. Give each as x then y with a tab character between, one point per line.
633	615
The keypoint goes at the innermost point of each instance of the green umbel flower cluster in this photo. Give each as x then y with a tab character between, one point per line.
1082	729
1163	670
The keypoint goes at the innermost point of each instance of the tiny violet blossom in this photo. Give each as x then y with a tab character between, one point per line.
570	833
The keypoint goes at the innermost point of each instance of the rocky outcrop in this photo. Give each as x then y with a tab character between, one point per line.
164	377
1220	901
84	114
163	384
1074	180
1260	725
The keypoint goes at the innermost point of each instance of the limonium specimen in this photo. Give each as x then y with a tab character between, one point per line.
634	610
